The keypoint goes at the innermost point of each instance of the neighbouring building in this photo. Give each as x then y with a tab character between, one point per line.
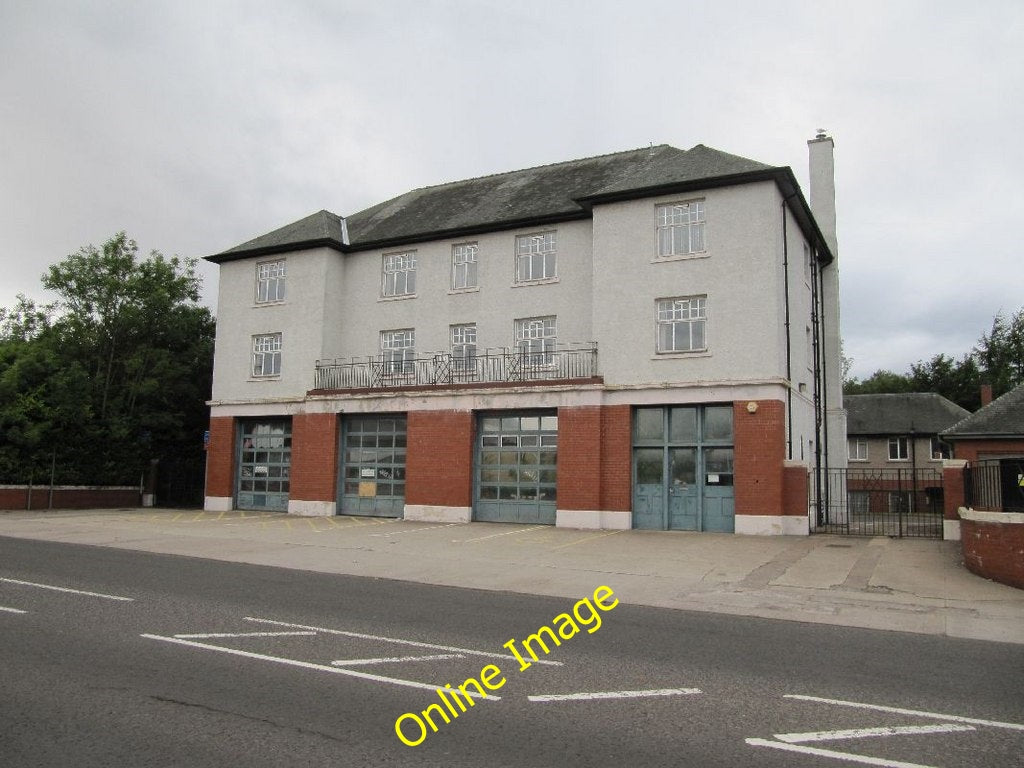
646	339
893	431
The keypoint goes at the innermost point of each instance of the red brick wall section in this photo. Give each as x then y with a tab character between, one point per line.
794	493
579	458
314	470
220	457
439	462
953	495
69	498
972	450
616	458
994	550
760	444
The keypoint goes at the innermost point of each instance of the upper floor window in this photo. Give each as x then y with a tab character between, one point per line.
464	266
270	281
463	346
266	355
940	450
682	324
535	339
397	351
535	257
680	228
898	449
399	274
858	449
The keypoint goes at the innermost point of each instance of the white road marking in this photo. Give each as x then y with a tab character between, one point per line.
415	530
866	733
866	760
505	533
615	694
65	589
395	659
310	665
901	711
5	609
212	635
416	643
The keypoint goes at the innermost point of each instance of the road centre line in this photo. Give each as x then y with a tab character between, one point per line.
866	733
310	665
212	635
66	589
396	659
846	756
901	711
415	643
616	694
5	609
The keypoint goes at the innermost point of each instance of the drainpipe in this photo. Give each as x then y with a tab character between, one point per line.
789	340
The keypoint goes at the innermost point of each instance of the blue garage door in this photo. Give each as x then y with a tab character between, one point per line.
517	453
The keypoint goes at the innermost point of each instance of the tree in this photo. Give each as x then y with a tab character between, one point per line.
956	381
879	382
1000	353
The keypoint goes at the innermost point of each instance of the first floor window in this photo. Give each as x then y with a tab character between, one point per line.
463	347
858	449
940	450
266	355
397	351
270	282
681	324
535	340
399	278
464	266
535	257
898	449
680	228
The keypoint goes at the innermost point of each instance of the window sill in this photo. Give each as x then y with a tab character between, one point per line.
545	281
261	304
258	379
403	297
681	257
681	355
456	291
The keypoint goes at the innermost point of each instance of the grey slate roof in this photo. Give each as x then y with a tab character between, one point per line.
1003	417
530	197
925	413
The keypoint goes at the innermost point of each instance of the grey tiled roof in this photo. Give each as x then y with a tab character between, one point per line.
1003	417
925	413
529	197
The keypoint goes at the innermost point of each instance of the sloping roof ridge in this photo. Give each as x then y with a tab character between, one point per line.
652	148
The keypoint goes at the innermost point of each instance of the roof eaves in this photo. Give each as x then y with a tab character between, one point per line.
269	250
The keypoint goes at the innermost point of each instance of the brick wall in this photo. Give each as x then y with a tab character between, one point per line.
314	470
220	457
972	450
439	461
579	458
794	490
760	445
616	458
953	492
78	497
994	550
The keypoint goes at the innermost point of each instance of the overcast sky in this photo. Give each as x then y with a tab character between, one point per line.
197	125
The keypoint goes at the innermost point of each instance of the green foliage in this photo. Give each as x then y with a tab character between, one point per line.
114	374
997	360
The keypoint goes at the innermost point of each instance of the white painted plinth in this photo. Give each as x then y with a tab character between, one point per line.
773	525
593	519
951	530
312	508
428	513
218	503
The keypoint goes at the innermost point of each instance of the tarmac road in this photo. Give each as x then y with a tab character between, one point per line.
165	660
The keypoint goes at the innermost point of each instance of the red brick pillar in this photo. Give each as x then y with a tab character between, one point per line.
953	489
762	497
314	470
439	466
617	458
579	458
220	464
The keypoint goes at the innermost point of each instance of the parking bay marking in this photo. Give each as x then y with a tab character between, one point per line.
395	659
615	694
214	635
865	733
901	711
5	609
66	589
309	665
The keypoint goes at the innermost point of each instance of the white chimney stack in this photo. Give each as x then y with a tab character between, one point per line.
823	186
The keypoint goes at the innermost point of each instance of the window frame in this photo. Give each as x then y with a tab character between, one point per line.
690	322
463	350
398	365
393	265
279	280
663	223
532	353
900	442
266	347
527	256
469	265
854	455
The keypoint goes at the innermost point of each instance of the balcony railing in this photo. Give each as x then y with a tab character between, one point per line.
509	366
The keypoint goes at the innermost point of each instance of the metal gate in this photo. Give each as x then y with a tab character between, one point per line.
882	502
516	476
373	466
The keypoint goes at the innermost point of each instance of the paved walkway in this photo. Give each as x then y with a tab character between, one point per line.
908	585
